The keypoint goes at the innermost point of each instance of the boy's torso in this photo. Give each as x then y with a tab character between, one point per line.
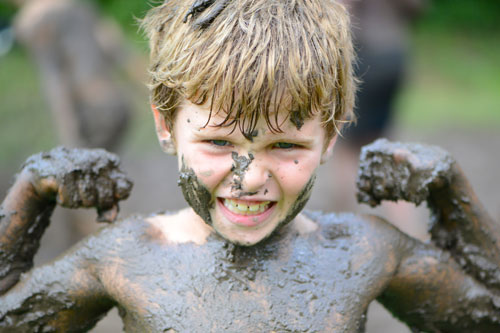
321	281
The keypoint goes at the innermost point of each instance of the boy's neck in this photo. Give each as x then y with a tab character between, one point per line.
187	227
183	227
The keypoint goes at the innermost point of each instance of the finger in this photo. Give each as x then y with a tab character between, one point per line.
47	187
87	191
68	194
123	186
108	215
105	196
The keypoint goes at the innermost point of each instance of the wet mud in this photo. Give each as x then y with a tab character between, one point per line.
200	6
290	282
195	193
71	177
239	168
297	119
17	253
458	222
84	177
60	297
253	134
301	201
287	283
397	171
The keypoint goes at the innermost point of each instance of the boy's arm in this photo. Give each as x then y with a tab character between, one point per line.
65	291
431	293
463	275
459	224
72	178
64	296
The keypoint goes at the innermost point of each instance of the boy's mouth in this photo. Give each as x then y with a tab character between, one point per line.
247	213
245	207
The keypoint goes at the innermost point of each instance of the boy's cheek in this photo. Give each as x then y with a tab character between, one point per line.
294	175
293	184
210	169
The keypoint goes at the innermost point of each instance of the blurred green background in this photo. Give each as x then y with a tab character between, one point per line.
454	79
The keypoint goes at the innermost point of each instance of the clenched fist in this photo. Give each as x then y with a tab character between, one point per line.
79	178
401	171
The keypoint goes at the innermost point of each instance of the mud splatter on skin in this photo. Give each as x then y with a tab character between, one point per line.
252	135
89	176
245	194
301	201
385	174
195	193
458	223
319	282
239	168
70	177
200	199
297	119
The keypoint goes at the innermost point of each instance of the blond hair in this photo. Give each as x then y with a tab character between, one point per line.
254	59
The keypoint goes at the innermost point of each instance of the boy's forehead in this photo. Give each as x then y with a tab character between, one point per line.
282	115
190	115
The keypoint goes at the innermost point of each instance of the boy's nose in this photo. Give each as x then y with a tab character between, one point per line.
254	177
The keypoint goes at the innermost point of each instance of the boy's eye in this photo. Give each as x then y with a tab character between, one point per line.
220	143
284	145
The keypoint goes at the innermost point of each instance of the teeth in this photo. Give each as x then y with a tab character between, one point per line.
243	209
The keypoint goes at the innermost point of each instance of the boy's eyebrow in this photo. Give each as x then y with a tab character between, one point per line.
297	137
293	139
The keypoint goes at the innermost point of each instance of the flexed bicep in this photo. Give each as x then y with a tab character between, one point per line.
431	293
69	177
458	223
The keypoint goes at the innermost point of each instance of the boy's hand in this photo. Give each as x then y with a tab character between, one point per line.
396	171
79	178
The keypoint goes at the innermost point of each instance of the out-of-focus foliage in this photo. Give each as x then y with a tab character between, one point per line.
126	11
6	11
463	15
468	15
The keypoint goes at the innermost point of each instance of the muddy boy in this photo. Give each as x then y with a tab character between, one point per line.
250	95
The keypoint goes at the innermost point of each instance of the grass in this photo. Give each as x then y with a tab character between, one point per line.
455	82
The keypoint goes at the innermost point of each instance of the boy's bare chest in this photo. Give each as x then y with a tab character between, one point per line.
221	288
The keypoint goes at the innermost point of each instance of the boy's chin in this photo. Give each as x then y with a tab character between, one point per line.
245	237
242	241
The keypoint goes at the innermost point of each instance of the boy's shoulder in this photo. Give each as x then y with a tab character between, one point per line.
170	228
370	230
165	228
182	227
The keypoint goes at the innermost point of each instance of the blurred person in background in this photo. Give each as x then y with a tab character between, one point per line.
78	55
381	31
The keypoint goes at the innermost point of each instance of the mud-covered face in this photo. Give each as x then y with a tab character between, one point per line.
245	189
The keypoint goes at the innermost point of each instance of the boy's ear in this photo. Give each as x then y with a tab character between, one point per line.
163	132
327	153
